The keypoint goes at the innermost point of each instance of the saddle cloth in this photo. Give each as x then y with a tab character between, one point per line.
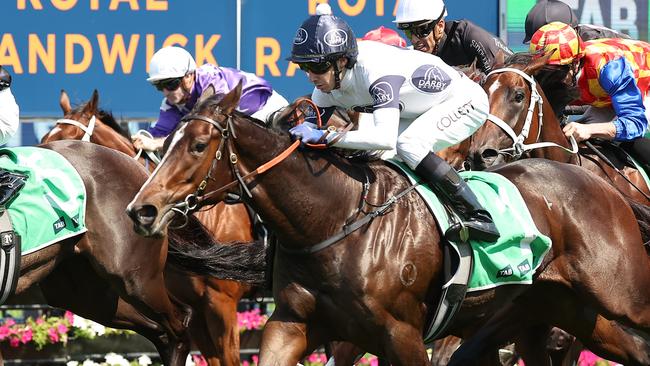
51	205
519	251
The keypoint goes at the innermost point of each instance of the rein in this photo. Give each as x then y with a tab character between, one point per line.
192	201
519	147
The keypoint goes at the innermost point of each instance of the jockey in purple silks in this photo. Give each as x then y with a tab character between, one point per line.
173	71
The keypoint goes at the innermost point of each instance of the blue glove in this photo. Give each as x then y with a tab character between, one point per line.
306	133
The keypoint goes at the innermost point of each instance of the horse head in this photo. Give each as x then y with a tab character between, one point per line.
520	116
200	157
88	122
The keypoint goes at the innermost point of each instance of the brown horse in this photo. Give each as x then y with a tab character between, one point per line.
515	106
107	259
376	286
214	302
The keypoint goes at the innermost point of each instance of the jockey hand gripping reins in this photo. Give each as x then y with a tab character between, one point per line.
519	147
192	201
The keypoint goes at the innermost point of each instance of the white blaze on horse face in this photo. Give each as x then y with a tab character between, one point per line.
177	137
494	87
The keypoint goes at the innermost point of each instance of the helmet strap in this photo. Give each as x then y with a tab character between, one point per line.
337	75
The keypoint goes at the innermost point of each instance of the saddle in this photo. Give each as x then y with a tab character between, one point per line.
10	184
624	154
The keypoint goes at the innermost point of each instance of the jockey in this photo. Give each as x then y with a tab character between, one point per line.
612	76
173	71
440	106
9	110
548	11
457	42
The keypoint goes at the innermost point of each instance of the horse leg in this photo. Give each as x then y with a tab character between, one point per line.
344	354
284	342
404	346
531	345
74	286
223	328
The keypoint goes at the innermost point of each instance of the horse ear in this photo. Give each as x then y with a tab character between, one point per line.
538	62
64	102
93	103
499	59
207	93
231	100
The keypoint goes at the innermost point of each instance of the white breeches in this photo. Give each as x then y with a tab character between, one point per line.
275	102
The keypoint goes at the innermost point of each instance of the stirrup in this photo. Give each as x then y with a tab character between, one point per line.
480	231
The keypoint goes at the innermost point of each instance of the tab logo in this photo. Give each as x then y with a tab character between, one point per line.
335	38
430	79
524	267
301	36
505	272
382	93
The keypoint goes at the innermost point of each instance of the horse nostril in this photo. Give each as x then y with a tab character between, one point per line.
144	215
488	154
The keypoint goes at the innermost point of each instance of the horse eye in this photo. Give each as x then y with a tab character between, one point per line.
200	147
519	96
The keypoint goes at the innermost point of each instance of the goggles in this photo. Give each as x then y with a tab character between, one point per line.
169	84
420	30
318	68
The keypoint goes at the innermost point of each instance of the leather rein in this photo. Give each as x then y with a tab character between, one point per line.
193	200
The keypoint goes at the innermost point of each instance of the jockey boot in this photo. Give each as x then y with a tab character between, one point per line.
444	179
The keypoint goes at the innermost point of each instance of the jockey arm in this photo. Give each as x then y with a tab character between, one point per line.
618	80
167	121
9	111
386	114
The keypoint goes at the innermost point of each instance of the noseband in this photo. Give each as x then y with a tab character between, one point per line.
193	200
519	147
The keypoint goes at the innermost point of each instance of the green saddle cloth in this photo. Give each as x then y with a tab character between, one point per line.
51	205
514	258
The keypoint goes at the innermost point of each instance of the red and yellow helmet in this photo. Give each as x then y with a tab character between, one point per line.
559	38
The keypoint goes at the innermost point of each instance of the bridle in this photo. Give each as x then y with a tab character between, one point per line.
87	129
192	201
88	133
519	146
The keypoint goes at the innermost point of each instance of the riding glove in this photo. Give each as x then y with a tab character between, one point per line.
307	133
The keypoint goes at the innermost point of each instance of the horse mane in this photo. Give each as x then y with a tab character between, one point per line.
471	71
192	249
553	81
107	118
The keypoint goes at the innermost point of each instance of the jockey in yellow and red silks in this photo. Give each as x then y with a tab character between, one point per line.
613	76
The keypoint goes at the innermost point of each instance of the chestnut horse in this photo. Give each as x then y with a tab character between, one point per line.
516	107
361	285
213	301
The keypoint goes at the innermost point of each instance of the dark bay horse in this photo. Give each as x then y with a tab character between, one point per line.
213	327
375	287
107	260
514	102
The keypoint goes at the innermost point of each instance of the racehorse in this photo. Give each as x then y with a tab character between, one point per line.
383	278
213	301
515	115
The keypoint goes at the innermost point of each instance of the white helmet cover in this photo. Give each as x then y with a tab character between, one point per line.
409	11
170	62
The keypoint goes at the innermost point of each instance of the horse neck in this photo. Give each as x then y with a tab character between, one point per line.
304	195
551	131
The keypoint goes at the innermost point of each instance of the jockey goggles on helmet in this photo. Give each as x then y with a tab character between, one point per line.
317	68
420	29
168	84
